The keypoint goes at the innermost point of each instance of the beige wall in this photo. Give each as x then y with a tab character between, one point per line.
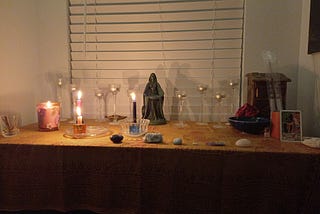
273	25
26	56
19	57
309	79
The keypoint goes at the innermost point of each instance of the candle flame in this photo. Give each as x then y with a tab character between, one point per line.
133	96
78	111
79	95
49	104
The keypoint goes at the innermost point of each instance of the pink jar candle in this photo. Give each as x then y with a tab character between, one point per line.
48	116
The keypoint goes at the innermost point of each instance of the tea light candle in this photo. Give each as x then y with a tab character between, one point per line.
48	116
134	104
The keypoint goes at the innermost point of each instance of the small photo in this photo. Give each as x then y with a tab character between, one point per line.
291	126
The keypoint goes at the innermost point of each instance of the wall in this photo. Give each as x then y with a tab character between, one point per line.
273	25
309	80
26	56
54	51
18	57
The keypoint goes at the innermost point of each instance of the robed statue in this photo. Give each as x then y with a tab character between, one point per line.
153	98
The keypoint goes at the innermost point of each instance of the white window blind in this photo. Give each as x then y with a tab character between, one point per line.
185	42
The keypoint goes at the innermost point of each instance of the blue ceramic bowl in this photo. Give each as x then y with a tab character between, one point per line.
251	125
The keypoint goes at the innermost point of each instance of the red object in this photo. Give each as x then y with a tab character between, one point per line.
247	110
275	124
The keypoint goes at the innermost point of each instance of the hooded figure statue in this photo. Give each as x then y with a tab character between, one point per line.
153	98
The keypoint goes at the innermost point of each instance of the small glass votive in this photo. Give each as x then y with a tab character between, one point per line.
48	116
134	129
9	124
79	129
137	129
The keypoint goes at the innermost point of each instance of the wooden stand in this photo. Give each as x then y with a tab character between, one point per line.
258	92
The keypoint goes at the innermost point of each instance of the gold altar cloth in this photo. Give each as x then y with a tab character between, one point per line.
194	137
48	171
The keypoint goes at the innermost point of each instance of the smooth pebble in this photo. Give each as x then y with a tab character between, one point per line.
177	141
243	142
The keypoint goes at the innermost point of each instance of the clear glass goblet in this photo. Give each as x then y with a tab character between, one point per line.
233	84
219	96
99	94
181	95
114	89
202	88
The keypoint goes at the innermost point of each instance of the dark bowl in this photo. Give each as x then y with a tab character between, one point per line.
251	125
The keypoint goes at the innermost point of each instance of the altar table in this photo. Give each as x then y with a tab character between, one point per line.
49	171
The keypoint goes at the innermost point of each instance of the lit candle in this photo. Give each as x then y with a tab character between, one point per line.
48	116
79	116
133	96
79	102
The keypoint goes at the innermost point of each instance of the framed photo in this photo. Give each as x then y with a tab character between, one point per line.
291	126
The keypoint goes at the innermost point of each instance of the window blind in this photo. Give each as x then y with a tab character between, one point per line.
185	42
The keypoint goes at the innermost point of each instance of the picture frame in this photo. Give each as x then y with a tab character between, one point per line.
290	126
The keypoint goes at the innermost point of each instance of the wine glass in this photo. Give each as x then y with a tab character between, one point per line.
233	84
114	89
181	95
99	93
219	96
202	88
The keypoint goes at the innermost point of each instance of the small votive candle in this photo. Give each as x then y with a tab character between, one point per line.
48	116
79	128
134	128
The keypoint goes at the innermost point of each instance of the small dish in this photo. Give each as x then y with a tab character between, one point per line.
91	132
137	129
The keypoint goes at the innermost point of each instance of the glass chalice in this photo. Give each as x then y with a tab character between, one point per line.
233	84
114	89
219	96
99	94
181	95
202	88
